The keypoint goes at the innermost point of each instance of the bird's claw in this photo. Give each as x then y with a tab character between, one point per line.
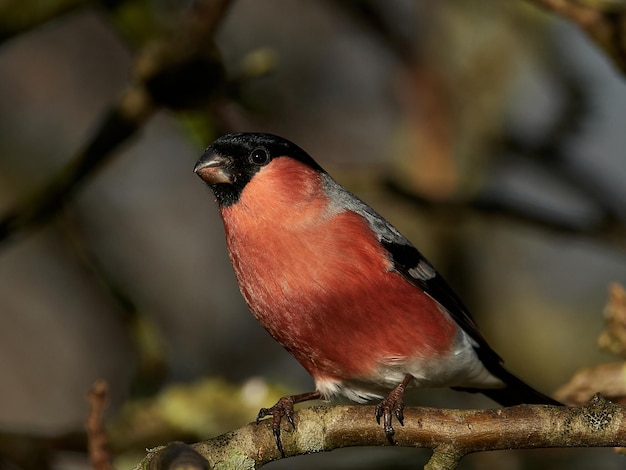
392	405
282	408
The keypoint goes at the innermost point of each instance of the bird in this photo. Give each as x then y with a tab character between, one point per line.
341	289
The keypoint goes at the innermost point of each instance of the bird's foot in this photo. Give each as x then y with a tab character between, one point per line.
284	409
392	405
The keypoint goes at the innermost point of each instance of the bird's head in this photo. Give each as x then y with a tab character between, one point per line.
233	160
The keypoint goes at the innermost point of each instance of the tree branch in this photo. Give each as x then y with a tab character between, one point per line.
97	439
451	434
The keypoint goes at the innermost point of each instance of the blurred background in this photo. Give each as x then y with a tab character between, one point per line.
490	133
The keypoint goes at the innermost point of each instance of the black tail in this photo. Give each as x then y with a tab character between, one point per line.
516	392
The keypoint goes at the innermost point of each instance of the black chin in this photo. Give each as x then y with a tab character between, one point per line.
226	194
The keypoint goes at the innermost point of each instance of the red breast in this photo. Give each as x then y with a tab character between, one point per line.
320	282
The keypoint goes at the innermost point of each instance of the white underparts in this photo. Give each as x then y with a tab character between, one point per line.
459	368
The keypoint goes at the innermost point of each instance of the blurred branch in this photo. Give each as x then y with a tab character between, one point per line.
98	442
613	338
118	125
451	434
604	21
609	230
607	379
181	72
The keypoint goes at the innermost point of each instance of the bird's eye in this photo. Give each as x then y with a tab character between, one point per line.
259	156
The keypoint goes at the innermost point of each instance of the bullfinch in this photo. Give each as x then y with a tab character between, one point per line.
340	288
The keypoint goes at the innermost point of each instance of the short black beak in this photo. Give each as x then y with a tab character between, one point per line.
213	168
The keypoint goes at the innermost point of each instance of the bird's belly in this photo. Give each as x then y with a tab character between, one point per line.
342	324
